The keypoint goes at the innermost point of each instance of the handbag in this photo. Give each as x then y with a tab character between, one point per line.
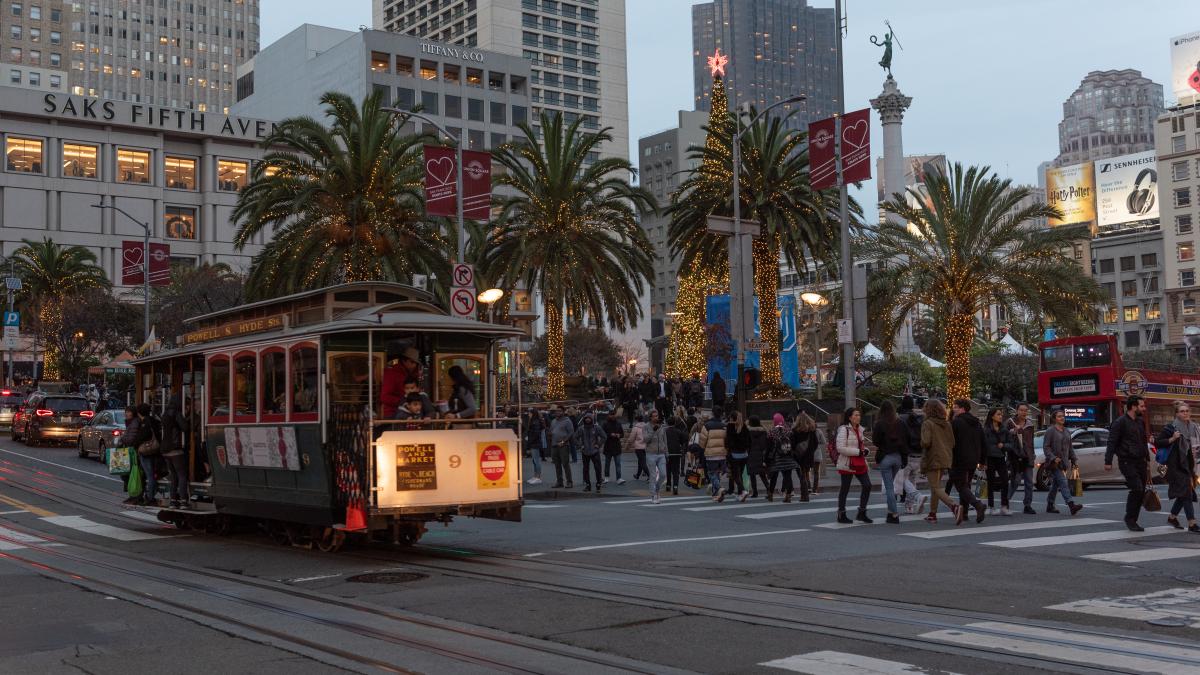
148	448
695	477
119	461
1150	500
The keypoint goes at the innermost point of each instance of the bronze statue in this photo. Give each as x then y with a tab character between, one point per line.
886	61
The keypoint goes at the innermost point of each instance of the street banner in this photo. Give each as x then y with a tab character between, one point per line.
1127	189
856	149
477	177
131	263
441	181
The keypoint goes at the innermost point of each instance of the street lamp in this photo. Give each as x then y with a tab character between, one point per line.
489	298
458	161
742	241
815	301
632	366
145	263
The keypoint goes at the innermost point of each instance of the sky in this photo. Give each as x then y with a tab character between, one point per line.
987	77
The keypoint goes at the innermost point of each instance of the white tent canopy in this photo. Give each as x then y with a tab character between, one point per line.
1009	345
932	361
872	352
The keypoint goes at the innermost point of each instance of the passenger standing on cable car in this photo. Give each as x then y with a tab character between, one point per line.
462	394
148	429
174	451
403	366
126	442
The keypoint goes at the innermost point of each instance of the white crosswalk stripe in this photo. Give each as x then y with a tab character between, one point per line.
100	530
12	540
841	663
1145	555
807	512
1016	527
1087	537
1174	603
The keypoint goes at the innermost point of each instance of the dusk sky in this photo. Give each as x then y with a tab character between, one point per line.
988	79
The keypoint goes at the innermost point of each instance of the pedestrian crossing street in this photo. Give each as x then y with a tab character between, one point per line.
15	540
1098	534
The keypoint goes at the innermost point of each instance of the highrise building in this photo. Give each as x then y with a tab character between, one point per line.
576	50
1178	152
174	54
1111	113
776	49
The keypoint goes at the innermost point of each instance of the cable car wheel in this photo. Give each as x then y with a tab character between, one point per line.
328	540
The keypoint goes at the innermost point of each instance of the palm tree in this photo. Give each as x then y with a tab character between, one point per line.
50	276
344	202
570	230
797	222
194	291
971	245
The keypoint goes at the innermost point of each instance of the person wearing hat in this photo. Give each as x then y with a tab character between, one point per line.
404	365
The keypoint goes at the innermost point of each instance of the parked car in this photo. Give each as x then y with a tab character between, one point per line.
1090	445
53	418
9	402
101	434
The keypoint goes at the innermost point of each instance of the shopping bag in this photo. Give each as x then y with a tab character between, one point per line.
1076	483
118	461
1150	500
695	478
133	486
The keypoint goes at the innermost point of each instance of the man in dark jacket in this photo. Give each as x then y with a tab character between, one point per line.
589	438
968	449
647	391
174	450
1127	441
1023	457
613	433
717	389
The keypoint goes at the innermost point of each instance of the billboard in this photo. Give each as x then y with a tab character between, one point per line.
1185	65
1126	189
915	168
1072	189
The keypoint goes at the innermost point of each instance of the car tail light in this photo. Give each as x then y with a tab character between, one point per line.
86	413
42	412
116	432
5	392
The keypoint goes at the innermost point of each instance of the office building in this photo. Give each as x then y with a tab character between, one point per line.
662	165
172	54
1128	265
1177	144
177	170
776	49
576	51
484	93
1111	113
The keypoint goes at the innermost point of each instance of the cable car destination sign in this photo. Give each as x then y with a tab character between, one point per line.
235	329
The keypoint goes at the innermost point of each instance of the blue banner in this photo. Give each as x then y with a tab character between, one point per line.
717	310
789	347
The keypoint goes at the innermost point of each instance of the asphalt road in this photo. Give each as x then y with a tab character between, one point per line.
608	583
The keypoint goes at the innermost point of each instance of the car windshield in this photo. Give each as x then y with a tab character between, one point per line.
65	404
1037	440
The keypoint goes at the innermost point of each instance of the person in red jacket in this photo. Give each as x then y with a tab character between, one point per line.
403	367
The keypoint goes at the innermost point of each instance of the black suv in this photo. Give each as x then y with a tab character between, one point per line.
53	417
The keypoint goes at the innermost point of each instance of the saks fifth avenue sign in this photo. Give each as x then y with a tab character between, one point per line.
154	117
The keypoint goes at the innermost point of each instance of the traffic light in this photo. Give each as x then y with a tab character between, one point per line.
751	378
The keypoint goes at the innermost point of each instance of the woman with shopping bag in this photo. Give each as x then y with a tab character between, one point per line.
1182	436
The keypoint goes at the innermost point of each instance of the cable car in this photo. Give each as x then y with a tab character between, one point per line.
290	423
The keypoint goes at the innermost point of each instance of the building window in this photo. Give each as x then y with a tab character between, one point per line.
497	140
133	166
23	155
1149	260
379	62
16	8
1110	315
499	113
1128	263
79	161
1154	335
231	174
1106	264
405	98
1153	313
180	222
454	106
520	115
450	74
1150	284
1179	170
180	172
1178	143
474	77
404	66
474	110
1183	224
14	76
1185	251
1131	313
1183	197
1132	339
1187	277
1129	288
56	81
1188	307
1110	290
429	102
428	70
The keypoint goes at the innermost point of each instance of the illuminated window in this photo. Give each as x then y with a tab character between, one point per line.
1110	315
133	166
1186	251
274	382
474	77
23	155
231	174
1153	312
1131	313
304	379
245	384
428	70
379	62
180	222
180	172
79	161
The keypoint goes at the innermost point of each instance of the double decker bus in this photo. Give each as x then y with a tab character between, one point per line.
1088	379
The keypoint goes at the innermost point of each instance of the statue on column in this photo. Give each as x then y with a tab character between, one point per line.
886	43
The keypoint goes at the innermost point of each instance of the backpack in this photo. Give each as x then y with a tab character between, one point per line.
1162	454
913	424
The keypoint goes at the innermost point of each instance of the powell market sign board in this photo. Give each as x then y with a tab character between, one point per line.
434	467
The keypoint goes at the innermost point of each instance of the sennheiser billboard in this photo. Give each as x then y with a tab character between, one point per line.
1126	189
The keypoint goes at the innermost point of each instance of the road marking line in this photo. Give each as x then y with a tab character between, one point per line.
108	531
25	507
1175	603
302	579
1114	535
62	466
1018	527
1091	650
841	663
1145	555
20	539
804	512
668	541
142	515
646	500
842	526
10	513
747	505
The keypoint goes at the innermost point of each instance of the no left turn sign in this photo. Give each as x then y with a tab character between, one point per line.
462	302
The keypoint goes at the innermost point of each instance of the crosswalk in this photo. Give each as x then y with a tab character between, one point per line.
1098	536
17	539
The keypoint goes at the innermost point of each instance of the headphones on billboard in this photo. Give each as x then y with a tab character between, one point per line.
1141	199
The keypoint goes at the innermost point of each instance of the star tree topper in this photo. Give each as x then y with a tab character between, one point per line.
717	63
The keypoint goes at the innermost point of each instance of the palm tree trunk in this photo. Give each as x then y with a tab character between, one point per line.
555	388
960	335
688	347
766	287
51	320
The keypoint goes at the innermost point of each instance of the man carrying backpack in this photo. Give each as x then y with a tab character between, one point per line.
905	483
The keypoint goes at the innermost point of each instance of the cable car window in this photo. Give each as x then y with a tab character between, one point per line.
304	379
245	385
218	387
274	382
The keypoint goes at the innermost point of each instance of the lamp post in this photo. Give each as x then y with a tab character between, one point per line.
742	240
489	298
458	162
632	367
815	301
145	263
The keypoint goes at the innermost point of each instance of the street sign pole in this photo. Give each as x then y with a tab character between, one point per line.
848	369
13	284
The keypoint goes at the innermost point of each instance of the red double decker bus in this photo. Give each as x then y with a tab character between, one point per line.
1088	379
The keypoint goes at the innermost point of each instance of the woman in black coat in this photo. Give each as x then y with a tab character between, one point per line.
756	462
1180	435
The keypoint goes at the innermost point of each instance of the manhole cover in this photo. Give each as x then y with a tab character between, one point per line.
386	577
1169	622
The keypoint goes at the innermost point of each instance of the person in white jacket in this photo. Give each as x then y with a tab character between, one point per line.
852	463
